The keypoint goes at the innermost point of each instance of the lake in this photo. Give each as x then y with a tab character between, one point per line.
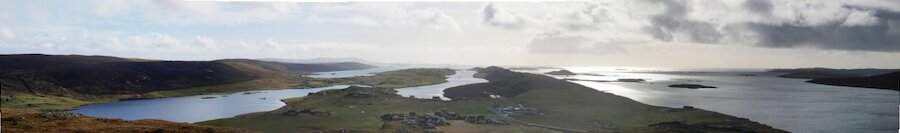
197	108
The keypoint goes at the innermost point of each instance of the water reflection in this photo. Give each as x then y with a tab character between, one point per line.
789	104
462	77
354	73
197	108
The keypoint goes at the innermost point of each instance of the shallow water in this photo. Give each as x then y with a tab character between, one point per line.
789	104
462	77
196	108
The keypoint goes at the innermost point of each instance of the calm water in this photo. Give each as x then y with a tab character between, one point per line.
789	104
462	77
354	73
195	108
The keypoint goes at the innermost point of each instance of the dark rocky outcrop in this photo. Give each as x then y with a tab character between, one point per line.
563	72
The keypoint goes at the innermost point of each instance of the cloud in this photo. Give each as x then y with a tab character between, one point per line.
6	33
205	42
394	15
759	6
556	43
314	19
860	18
862	25
880	37
672	25
819	25
191	12
494	16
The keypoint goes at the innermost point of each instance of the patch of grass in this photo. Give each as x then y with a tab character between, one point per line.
404	78
464	127
41	102
346	112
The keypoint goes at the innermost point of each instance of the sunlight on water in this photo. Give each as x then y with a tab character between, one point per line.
789	104
197	108
462	77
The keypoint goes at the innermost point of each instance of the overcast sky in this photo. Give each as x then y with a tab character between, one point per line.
635	33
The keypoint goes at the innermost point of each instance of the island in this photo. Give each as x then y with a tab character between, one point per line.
865	78
690	86
562	72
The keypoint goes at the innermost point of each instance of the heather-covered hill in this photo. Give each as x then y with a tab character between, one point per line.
67	78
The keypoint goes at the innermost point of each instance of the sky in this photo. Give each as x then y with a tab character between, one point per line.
610	33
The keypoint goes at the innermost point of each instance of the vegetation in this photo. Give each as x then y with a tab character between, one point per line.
564	106
572	106
403	78
360	114
53	82
22	120
40	102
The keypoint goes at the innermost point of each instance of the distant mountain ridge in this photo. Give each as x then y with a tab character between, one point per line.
865	78
319	60
813	73
890	81
64	75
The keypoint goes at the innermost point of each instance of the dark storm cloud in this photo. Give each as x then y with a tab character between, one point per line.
674	22
758	6
493	16
883	36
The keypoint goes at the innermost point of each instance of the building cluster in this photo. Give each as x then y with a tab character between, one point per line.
514	110
427	121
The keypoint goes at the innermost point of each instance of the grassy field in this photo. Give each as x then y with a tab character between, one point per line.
22	120
40	103
403	78
346	113
571	106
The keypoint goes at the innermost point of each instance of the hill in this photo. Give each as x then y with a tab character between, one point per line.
815	73
889	81
572	106
315	60
20	120
561	72
104	78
